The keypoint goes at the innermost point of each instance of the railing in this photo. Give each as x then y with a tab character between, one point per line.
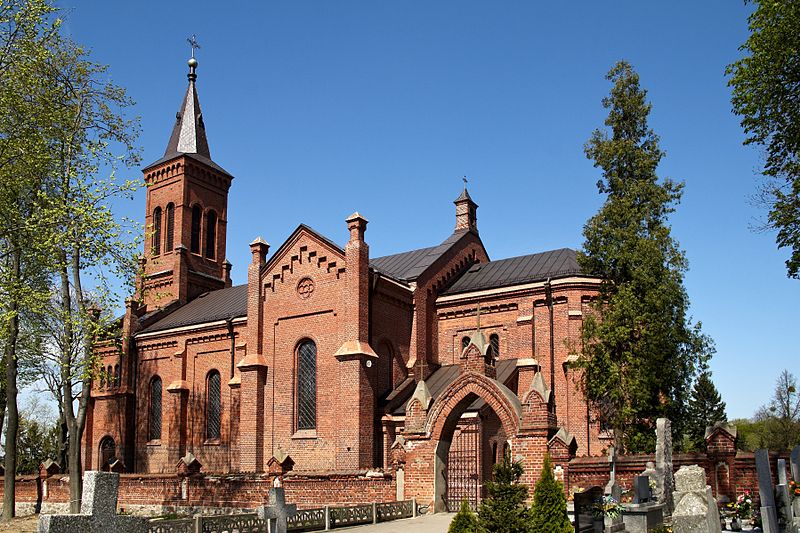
237	523
320	519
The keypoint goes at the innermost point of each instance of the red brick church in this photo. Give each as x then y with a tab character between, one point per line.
432	361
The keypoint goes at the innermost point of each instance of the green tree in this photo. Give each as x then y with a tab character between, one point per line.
766	94
780	418
38	438
549	511
504	510
464	521
27	30
706	408
639	349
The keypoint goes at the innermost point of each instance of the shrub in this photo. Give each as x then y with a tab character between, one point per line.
549	511
504	511
465	520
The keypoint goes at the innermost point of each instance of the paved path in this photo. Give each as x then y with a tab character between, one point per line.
437	523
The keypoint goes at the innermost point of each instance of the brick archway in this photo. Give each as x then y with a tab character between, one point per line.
446	411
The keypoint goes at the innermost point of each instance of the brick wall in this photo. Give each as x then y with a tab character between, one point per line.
159	493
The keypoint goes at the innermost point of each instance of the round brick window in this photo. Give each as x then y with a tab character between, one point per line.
305	287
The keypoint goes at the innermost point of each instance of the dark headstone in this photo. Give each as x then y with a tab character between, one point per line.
584	519
794	459
641	489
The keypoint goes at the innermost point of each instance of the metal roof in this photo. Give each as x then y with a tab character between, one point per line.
524	269
208	307
408	266
445	375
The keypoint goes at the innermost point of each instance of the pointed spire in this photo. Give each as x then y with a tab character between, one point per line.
189	133
466	211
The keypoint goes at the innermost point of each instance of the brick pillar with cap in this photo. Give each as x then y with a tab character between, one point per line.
253	369
356	357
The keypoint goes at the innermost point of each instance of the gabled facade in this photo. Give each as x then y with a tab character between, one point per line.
326	356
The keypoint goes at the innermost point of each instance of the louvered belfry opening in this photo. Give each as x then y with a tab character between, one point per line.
170	233
214	406
155	409
307	385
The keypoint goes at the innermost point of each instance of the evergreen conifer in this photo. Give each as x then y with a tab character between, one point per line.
504	510
549	511
464	521
706	408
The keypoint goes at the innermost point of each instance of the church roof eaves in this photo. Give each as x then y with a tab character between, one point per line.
209	307
196	157
408	266
516	270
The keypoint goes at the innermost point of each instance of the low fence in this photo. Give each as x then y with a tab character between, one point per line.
319	519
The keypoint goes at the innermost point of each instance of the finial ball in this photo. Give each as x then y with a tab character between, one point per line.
192	62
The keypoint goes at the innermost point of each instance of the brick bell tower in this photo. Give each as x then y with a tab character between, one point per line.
186	213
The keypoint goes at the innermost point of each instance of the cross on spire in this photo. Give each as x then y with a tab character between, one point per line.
465	181
193	43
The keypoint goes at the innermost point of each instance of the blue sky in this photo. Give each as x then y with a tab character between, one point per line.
323	108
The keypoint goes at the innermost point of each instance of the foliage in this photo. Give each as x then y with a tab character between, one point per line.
766	94
607	506
706	408
743	506
781	417
464	521
794	489
549	511
639	350
503	510
38	438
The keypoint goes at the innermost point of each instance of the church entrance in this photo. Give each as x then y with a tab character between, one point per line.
463	472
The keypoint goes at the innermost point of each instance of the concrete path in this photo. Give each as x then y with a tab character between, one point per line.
437	523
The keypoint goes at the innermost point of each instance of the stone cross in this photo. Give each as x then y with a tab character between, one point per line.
278	511
612	488
98	510
769	516
664	480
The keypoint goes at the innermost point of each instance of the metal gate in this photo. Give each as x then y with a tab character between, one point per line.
462	465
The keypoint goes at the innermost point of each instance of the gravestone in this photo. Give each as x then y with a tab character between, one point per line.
641	489
784	500
278	512
98	510
769	516
665	483
695	508
584	501
794	460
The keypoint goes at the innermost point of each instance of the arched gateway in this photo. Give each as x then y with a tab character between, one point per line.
424	447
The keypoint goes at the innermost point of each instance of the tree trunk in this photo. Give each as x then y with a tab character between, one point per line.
9	481
75	477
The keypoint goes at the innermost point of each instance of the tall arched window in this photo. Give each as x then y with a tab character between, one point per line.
170	233
464	343
494	346
211	234
197	214
154	430
108	452
116	376
157	231
213	406
307	385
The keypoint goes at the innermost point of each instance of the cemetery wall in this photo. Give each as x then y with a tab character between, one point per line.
726	477
158	493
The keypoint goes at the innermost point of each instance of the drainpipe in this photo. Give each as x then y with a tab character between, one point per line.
549	295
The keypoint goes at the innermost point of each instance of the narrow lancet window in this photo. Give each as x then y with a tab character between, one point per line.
157	231
197	214
211	234
307	385
169	241
154	430
213	406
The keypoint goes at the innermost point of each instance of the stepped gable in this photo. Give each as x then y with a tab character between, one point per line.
208	307
516	270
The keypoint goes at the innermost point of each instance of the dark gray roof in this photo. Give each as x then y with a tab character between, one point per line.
463	196
408	266
208	307
445	375
516	270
